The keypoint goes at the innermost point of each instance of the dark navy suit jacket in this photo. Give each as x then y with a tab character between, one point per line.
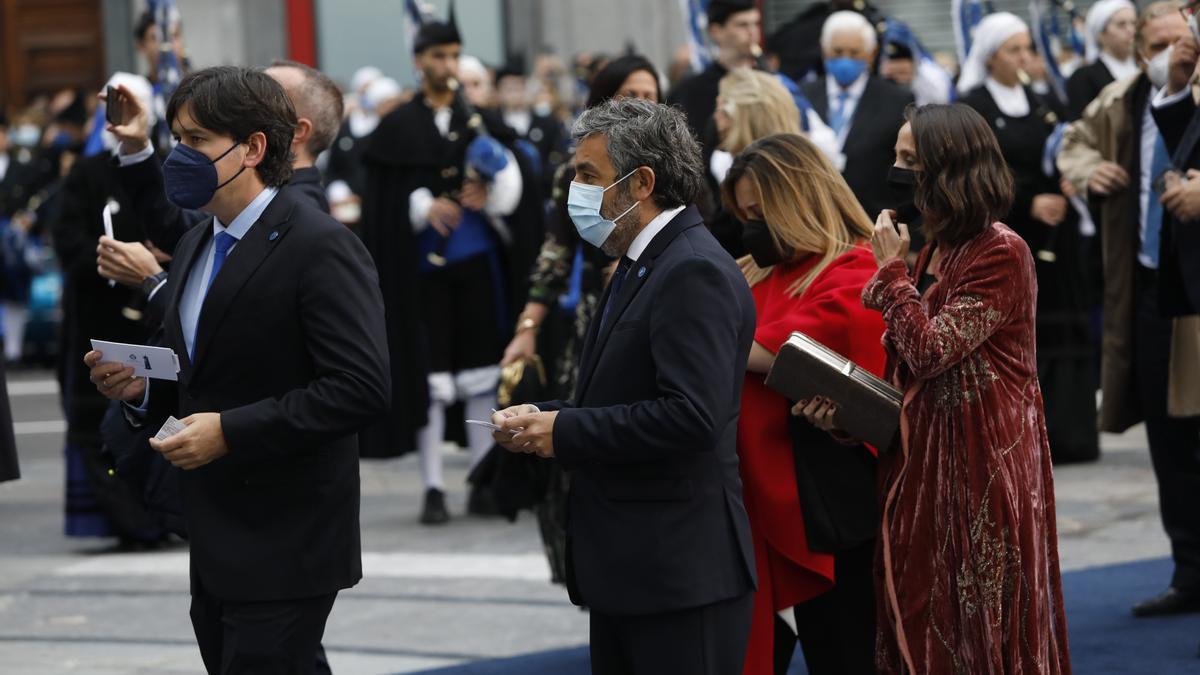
1179	273
656	521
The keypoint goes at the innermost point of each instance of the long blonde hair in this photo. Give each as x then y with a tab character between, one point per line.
758	105
805	201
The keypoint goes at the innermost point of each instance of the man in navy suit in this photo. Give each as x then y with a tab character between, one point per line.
658	540
1165	332
276	316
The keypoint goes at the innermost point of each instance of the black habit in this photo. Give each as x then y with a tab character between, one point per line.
407	152
1066	351
1084	86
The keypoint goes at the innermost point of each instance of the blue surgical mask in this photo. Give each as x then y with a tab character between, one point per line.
583	205
190	177
845	70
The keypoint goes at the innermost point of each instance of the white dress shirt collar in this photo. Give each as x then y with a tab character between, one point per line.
1118	69
642	241
245	220
1011	101
855	90
519	120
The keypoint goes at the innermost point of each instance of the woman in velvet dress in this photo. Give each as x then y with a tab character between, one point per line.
968	550
1023	121
808	263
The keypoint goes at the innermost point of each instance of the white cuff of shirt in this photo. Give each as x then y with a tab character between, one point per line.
157	288
419	203
1165	100
138	412
137	157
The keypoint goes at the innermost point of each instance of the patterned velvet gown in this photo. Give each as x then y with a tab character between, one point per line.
968	556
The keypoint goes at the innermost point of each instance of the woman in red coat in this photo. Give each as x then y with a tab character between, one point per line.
968	549
808	263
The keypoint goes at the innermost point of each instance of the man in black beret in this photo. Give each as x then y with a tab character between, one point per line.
452	216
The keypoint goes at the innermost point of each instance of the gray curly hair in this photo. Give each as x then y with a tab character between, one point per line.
641	133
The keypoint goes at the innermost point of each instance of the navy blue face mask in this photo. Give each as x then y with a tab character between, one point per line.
190	177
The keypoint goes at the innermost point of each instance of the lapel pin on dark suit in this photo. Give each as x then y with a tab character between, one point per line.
274	235
641	272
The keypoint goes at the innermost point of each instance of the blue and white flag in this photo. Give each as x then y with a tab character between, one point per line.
931	82
966	15
170	71
1045	28
415	15
695	26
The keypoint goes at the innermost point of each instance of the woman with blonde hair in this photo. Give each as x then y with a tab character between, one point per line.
753	105
807	265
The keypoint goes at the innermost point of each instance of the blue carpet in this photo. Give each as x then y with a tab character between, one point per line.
1105	638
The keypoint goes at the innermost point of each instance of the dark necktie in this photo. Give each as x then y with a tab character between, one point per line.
614	289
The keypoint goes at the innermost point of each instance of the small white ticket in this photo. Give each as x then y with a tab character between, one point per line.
169	428
488	425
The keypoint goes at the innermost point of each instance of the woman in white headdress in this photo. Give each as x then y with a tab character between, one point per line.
1111	25
991	83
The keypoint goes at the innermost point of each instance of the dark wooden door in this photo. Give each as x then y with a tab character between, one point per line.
48	45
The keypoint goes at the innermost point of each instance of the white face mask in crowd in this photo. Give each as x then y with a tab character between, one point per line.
1158	68
26	135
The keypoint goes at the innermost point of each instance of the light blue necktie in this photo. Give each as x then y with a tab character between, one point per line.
222	242
1154	210
837	118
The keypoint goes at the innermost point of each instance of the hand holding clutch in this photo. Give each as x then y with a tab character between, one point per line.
820	413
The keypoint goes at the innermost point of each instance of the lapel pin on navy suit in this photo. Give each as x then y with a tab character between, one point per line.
274	235
641	272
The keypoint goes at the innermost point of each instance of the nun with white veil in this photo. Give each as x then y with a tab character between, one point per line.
991	83
1110	27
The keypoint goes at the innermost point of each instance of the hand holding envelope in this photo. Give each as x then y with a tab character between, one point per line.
159	363
119	370
116	381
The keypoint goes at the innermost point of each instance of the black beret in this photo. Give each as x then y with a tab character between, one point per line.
719	11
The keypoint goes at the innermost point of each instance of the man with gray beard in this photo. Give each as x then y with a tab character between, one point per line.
658	539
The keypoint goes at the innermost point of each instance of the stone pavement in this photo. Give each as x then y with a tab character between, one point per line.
471	590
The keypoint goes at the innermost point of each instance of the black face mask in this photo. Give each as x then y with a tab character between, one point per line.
902	183
756	237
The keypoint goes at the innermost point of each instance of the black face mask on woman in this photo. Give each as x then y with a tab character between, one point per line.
759	243
902	183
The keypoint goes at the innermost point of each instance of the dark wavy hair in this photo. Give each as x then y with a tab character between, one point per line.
606	83
965	185
239	102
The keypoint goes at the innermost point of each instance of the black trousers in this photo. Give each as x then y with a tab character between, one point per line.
262	638
708	640
836	630
1174	442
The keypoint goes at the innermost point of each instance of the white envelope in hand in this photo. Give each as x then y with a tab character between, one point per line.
157	362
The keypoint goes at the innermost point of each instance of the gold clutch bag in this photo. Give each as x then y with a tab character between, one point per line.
521	382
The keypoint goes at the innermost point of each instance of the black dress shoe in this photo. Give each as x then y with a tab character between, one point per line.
1172	601
434	512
